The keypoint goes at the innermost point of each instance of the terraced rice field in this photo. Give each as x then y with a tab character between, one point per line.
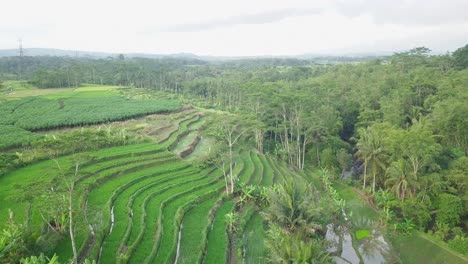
150	206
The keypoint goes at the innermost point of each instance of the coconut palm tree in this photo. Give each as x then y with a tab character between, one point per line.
370	149
399	181
294	206
291	248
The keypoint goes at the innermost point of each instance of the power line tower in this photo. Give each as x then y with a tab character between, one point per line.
21	51
21	55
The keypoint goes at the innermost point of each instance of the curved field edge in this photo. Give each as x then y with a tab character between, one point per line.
218	241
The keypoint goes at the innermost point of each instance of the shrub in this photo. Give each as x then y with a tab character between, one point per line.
459	244
450	208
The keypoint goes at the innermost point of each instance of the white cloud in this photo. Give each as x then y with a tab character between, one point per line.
235	27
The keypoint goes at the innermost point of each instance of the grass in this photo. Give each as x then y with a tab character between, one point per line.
95	87
140	197
355	203
248	169
41	173
33	179
267	179
257	176
194	229
183	127
202	149
362	233
122	214
20	89
254	235
145	242
239	166
167	243
218	243
278	173
141	237
185	142
101	197
415	248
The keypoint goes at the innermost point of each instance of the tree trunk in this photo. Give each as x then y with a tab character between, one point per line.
318	155
365	174
71	229
373	181
303	151
231	177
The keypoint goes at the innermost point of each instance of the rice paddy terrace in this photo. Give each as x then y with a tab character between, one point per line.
146	203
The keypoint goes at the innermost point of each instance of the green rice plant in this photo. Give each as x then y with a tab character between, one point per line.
257	176
101	197
194	229
36	177
149	240
244	216
218	242
93	172
248	169
277	174
137	211
147	198
167	243
254	234
182	126
185	142
267	179
122	216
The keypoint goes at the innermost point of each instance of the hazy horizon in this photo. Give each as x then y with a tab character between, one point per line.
236	28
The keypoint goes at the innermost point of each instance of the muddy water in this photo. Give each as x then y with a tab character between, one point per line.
372	250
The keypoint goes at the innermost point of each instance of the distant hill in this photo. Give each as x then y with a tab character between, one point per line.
54	52
97	55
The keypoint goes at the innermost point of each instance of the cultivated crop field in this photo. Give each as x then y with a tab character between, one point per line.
82	106
145	203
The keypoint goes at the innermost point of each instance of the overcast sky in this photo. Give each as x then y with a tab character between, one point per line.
236	27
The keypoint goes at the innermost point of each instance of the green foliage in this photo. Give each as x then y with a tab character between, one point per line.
405	227
231	220
41	259
217	238
328	158
449	209
344	159
371	150
363	233
253	239
296	207
416	211
290	248
12	241
15	136
38	113
50	78
459	244
337	199
461	57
